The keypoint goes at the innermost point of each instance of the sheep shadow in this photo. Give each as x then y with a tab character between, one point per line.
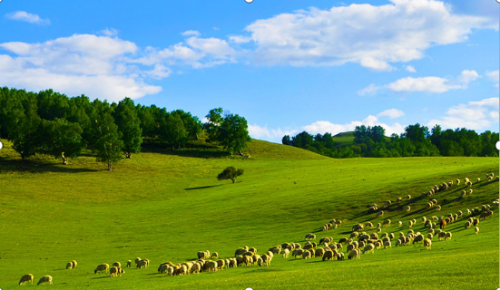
100	277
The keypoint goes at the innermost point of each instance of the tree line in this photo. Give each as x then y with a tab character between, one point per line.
50	123
416	140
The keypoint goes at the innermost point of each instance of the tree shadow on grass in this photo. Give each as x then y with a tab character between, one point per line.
34	167
190	150
202	187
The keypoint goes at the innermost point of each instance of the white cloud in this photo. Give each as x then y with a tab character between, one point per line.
493	76
240	39
410	68
391	113
370	90
275	135
96	66
476	115
27	17
191	33
373	36
322	127
426	84
109	32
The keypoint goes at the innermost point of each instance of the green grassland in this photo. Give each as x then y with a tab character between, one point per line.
166	207
344	139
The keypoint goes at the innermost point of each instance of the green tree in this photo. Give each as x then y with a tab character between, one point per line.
286	140
233	133
62	139
173	131
129	126
24	123
230	173
107	145
215	119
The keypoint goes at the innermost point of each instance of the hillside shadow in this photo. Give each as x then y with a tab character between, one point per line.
190	150
30	166
202	187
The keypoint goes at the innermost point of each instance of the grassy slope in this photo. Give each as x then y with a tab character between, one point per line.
166	208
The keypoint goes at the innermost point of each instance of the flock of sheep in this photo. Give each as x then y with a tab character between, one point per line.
358	242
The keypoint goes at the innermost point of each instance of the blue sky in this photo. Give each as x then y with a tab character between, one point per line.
286	66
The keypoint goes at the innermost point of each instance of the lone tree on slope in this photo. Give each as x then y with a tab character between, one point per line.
230	173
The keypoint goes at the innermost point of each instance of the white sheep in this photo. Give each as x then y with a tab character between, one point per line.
400	223
408	208
45	279
428	243
286	252
28	278
477	230
102	267
129	263
115	271
369	247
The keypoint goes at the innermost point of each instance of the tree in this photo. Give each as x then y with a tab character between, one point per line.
24	124
129	126
215	119
107	145
173	132
230	173
62	139
286	140
233	133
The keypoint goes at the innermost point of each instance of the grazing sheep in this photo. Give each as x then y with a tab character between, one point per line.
477	230
357	228
428	243
442	224
163	268
400	223
319	252
297	252
286	252
430	236
27	278
458	181
306	255
142	263
387	244
408	197
328	255
380	213
129	263
486	214
117	264
448	236
410	224
353	255
399	199
310	237
475	221
478	180
369	247
214	255
45	279
340	257
102	267
369	225
137	260
407	208
386	222
220	264
469	183
241	251
116	271
212	266
69	265
467	224
196	269
418	238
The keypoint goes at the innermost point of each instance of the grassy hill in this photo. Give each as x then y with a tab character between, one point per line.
166	207
343	139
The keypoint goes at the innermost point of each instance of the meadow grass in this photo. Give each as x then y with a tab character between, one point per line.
166	206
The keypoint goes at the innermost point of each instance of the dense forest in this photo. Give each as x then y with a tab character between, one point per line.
50	123
415	141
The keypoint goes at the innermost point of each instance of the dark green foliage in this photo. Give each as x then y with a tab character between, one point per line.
23	124
415	141
129	127
108	145
173	132
61	139
231	131
230	173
